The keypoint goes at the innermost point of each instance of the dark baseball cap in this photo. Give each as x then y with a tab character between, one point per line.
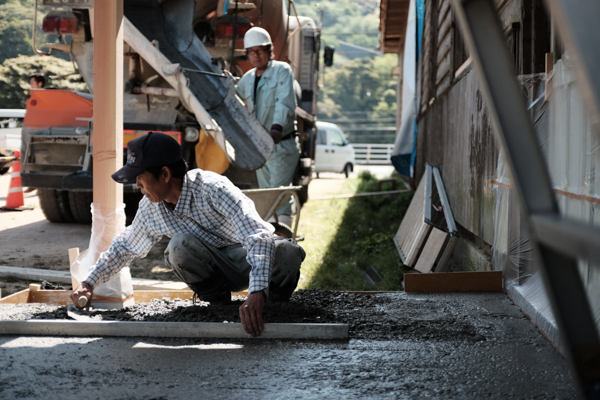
155	149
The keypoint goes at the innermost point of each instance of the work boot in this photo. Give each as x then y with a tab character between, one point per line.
215	296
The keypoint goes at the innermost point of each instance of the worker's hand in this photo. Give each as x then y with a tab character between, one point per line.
276	133
85	289
220	61
251	313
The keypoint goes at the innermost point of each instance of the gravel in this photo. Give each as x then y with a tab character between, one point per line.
370	316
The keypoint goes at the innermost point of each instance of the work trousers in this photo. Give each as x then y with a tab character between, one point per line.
213	273
279	170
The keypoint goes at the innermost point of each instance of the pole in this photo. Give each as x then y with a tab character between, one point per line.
108	107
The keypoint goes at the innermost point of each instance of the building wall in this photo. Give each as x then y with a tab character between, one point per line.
454	131
455	135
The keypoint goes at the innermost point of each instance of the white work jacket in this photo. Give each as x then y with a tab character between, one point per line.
275	97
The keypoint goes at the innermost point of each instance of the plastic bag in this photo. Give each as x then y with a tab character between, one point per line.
104	229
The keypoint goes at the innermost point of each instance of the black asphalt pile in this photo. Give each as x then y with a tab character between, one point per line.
385	316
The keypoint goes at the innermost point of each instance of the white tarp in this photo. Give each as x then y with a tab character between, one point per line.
405	139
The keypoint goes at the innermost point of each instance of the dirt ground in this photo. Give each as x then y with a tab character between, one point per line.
28	240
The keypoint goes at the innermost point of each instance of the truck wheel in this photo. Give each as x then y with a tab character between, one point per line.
347	170
303	195
80	203
55	205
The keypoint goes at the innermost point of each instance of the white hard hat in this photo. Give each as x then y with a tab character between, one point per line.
256	37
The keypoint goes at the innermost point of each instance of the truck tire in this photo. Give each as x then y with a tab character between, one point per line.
303	195
55	205
347	169
80	203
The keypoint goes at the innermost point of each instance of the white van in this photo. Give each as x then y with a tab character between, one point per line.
334	153
10	137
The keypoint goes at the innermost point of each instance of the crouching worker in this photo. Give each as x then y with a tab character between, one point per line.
219	244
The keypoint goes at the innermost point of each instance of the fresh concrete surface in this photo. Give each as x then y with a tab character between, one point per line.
464	346
509	358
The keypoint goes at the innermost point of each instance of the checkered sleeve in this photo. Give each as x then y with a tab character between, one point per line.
134	241
252	232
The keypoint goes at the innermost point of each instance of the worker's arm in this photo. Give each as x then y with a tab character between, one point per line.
134	241
256	236
243	89
285	105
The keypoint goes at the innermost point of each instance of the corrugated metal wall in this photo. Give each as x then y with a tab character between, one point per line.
455	135
454	129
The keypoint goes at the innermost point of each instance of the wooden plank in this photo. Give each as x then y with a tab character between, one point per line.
444	28
151	284
439	282
443	11
55	297
444	83
172	329
73	254
431	251
412	231
34	274
444	47
443	68
62	297
16	298
451	242
418	243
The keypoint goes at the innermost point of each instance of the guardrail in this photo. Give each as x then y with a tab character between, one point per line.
367	153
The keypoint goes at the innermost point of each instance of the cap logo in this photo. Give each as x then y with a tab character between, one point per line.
130	157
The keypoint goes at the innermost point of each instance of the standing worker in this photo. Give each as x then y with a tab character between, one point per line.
268	91
219	244
37	81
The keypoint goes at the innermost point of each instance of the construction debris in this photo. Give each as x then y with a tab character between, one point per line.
427	234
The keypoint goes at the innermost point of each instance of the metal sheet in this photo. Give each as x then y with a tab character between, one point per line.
577	24
494	67
172	329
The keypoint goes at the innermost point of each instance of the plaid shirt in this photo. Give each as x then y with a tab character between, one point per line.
212	209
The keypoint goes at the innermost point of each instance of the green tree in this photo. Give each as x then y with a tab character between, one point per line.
16	26
361	90
352	21
15	72
16	22
355	93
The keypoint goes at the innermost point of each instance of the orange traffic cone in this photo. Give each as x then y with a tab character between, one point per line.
15	200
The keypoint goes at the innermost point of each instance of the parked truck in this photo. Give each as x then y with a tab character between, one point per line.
181	61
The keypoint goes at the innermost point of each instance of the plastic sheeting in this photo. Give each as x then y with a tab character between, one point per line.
103	227
572	153
403	154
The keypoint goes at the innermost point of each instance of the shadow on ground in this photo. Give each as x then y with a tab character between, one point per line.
364	241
